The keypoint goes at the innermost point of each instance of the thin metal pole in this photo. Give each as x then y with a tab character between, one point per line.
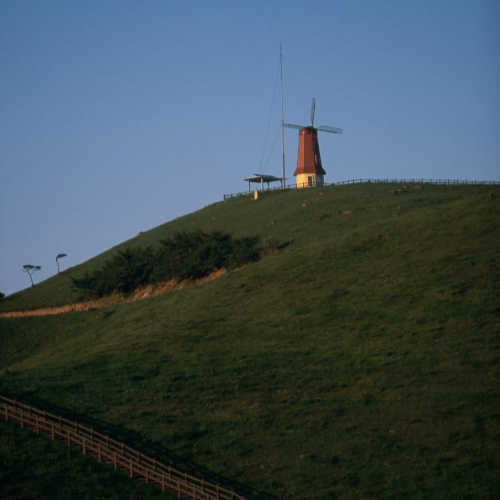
283	182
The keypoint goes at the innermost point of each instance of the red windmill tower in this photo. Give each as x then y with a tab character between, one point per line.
309	171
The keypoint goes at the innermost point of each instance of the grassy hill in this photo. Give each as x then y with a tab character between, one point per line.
360	361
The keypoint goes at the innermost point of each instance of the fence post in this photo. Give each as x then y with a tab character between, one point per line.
6	413
52	431
98	452
162	482
114	460
67	438
22	419
84	450
131	474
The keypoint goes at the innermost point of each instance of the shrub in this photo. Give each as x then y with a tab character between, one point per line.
183	256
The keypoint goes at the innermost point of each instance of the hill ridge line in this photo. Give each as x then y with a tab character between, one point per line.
375	180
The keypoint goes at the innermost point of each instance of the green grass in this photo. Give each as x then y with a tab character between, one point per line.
35	467
361	361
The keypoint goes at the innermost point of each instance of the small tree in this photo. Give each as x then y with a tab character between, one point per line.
29	269
59	256
2	295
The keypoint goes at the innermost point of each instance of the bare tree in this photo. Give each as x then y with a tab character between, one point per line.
29	269
59	256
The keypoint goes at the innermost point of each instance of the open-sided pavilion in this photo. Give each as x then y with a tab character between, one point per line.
260	179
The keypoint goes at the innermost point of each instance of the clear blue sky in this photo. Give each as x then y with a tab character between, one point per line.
117	116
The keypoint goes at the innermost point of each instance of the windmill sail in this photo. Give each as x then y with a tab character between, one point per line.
332	130
294	125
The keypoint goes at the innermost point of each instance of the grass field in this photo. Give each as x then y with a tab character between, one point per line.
35	467
360	361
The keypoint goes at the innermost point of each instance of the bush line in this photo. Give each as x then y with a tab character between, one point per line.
185	255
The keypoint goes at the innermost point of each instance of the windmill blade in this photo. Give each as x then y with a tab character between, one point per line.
332	130
293	125
313	109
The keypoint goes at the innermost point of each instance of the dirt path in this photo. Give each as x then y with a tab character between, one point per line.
139	294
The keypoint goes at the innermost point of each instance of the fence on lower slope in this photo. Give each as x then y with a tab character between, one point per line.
448	182
110	451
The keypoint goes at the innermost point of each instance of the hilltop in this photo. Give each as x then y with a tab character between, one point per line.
358	360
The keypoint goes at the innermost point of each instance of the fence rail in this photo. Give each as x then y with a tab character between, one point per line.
447	182
107	450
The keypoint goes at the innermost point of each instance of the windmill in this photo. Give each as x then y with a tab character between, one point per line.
309	171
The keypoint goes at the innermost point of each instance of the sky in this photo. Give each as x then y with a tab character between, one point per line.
117	116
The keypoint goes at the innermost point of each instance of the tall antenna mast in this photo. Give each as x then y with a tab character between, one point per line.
283	182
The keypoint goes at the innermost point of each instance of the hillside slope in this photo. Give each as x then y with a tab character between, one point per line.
360	361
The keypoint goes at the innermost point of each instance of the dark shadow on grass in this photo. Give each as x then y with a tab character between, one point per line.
140	443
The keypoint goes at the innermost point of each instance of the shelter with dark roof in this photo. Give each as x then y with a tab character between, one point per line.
260	179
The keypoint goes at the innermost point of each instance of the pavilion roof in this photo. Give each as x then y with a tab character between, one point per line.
262	178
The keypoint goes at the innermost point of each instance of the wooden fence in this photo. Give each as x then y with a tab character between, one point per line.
447	182
106	450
